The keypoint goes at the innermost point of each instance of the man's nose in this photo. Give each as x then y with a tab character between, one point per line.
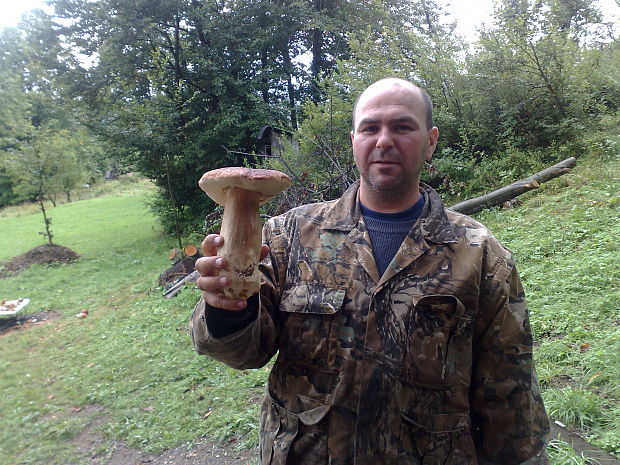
384	141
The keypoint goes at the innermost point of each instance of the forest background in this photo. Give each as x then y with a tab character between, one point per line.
173	89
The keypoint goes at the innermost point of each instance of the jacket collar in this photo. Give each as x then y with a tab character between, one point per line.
433	224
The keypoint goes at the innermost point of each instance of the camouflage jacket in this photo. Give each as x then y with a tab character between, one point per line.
430	363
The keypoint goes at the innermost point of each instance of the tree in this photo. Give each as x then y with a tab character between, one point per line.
34	124
40	168
530	88
174	85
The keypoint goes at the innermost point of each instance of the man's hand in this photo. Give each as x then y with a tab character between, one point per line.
209	282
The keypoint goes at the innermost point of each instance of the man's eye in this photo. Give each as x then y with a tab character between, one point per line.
369	129
403	128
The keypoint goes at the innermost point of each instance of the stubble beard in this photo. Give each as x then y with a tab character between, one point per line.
390	189
393	186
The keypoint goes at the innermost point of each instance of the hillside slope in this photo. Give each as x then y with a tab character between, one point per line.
565	237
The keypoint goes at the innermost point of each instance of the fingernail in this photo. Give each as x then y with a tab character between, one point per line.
218	240
224	281
241	304
219	262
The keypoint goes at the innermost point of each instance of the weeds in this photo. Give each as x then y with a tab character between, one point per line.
573	407
560	453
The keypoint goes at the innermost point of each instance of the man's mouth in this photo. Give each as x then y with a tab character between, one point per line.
384	162
385	159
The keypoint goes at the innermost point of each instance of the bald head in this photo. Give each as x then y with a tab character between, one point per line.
387	83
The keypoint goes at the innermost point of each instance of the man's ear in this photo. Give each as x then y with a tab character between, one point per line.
352	133
433	137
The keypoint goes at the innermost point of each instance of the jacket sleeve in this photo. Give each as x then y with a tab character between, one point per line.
509	422
254	344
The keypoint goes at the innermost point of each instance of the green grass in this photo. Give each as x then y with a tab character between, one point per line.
565	237
133	358
560	453
132	355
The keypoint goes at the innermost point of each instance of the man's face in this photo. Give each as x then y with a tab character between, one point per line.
391	142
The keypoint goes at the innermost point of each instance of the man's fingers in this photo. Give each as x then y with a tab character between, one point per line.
212	283
211	243
214	241
209	266
212	293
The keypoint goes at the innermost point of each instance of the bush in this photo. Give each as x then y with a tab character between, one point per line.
460	175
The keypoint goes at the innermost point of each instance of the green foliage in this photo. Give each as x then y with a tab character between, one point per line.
44	151
573	407
7	195
196	82
172	87
14	106
460	175
531	81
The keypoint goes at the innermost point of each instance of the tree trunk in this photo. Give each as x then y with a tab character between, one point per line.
47	221
317	64
515	189
288	66
264	76
177	51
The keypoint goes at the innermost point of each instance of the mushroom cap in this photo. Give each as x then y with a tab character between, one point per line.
268	182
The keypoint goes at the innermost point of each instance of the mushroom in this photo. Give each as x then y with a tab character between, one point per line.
241	191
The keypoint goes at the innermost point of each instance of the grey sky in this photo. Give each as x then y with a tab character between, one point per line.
468	13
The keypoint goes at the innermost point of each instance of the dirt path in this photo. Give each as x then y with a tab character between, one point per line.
204	453
91	443
594	455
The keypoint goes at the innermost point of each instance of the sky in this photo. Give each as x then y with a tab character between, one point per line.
468	13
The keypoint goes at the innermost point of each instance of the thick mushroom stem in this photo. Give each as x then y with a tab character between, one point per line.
241	230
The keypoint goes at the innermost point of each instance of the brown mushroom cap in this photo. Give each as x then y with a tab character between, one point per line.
268	182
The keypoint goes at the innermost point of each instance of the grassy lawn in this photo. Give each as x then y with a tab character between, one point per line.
132	357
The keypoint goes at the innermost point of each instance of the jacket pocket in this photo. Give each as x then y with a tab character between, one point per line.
435	439
309	330
438	346
288	437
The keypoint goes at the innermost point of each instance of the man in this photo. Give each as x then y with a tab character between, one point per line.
401	328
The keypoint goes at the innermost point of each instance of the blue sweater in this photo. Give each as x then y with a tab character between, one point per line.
388	230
